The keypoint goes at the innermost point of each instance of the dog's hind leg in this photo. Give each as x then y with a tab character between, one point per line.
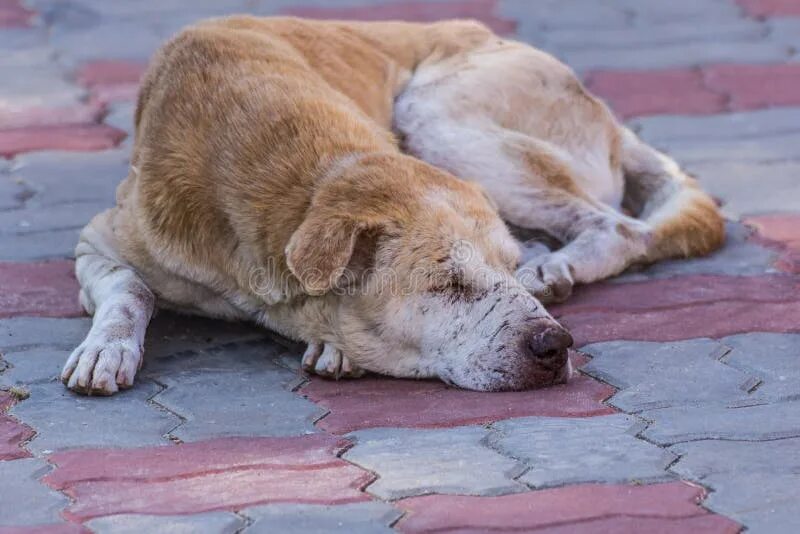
535	187
122	305
685	220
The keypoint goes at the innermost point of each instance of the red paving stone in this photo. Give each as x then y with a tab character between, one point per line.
697	91
41	289
12	433
84	113
419	11
14	15
634	93
221	474
783	233
669	507
111	81
766	8
755	86
382	402
682	308
69	137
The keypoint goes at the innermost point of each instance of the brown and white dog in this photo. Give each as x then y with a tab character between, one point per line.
343	184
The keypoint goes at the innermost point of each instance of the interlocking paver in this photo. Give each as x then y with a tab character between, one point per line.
57	177
255	392
81	137
656	375
770	7
63	419
781	231
133	40
773	358
216	522
57	217
16	498
378	402
357	518
13	434
758	422
561	451
670	507
56	244
632	94
26	332
754	482
30	86
740	256
678	54
483	10
45	289
683	307
745	84
14	14
223	474
663	129
731	180
415	462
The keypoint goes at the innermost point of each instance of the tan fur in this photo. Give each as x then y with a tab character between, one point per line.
265	178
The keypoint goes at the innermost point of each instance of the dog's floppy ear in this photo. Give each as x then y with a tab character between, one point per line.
320	249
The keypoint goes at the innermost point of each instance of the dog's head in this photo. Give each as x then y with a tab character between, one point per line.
419	271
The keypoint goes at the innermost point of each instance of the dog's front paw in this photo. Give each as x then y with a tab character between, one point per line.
548	277
102	365
326	360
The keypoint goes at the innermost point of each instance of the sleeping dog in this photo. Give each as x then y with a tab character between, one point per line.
346	184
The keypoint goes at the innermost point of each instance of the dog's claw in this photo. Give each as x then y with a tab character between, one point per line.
326	360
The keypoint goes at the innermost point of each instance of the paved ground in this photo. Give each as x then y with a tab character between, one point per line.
687	411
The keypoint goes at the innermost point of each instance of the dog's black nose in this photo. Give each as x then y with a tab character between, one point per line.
549	346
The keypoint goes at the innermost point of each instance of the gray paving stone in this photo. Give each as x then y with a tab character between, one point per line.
739	257
785	30
658	375
755	483
126	40
210	522
677	55
565	13
59	177
701	459
64	420
234	390
759	422
22	333
23	499
357	518
663	129
767	149
32	220
573	450
775	358
35	86
712	12
13	191
31	366
649	35
415	462
750	188
120	116
44	246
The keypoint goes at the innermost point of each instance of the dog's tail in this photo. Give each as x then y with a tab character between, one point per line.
685	220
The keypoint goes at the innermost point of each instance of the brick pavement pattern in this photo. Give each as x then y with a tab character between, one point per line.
684	416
